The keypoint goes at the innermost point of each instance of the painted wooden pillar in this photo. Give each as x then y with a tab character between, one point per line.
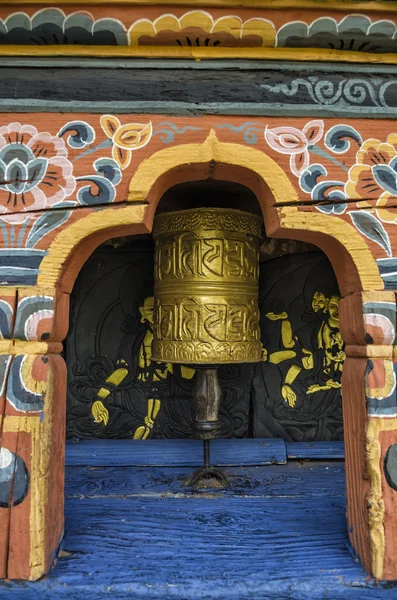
368	326
33	322
32	401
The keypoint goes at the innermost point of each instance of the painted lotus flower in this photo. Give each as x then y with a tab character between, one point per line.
198	28
52	26
375	176
125	138
353	32
34	169
296	143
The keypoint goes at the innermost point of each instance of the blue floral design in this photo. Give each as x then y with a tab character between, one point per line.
331	192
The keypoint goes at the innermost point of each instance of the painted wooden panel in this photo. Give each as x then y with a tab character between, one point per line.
131	531
328	165
315	450
297	390
175	452
304	479
213	31
196	88
329	182
109	321
89	164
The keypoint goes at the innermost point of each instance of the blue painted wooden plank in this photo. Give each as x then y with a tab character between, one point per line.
189	453
315	450
296	480
179	540
208	548
201	548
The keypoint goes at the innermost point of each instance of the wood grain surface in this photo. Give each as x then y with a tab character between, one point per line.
169	453
278	532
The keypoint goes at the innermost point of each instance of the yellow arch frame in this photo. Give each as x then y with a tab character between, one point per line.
268	174
153	176
163	169
212	151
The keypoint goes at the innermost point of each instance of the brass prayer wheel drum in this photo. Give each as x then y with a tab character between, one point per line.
206	287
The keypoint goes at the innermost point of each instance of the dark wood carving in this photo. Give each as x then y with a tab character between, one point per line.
323	90
114	390
297	389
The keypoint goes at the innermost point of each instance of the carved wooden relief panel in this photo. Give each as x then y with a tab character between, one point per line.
114	390
297	388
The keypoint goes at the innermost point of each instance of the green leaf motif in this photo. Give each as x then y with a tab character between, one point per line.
46	223
372	228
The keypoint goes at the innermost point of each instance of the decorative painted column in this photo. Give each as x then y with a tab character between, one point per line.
32	400
368	326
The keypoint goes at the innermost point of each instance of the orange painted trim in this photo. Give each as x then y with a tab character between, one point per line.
258	4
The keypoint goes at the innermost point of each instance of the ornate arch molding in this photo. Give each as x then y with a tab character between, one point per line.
284	217
353	262
73	245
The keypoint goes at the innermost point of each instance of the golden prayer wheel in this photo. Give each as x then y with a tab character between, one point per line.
206	287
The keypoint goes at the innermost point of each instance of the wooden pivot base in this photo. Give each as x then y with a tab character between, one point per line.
207	477
207	398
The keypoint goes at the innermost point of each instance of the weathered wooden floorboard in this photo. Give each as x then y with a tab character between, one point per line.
199	548
295	480
279	533
315	450
217	536
169	453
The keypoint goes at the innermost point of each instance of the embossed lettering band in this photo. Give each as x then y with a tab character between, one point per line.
206	287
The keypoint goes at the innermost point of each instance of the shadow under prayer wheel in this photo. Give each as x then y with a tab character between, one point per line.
206	287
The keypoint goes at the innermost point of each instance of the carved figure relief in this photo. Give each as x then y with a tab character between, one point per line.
297	387
149	374
114	389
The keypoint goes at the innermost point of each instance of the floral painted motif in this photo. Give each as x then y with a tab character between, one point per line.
375	175
34	318
38	171
35	172
125	138
199	28
352	32
52	26
372	175
296	143
37	168
20	234
14	478
41	170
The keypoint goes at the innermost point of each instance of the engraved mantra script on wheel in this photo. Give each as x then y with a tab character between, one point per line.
206	287
190	320
188	255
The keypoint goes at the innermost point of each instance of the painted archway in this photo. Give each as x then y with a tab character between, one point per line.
284	214
36	373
